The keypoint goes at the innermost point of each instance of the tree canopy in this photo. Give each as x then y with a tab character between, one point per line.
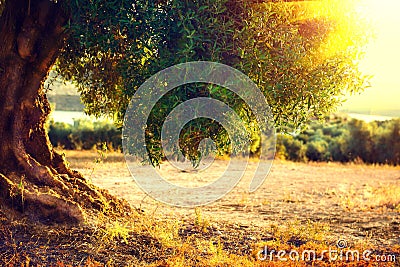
302	55
298	52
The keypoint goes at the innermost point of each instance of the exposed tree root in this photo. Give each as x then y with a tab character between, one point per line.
38	183
55	205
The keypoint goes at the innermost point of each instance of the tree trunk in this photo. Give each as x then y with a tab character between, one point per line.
34	179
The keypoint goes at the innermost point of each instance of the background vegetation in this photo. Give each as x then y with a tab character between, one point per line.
344	140
85	134
337	139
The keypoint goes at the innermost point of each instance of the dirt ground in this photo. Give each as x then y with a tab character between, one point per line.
357	202
299	205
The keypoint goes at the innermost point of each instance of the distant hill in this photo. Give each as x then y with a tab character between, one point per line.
66	102
395	113
63	96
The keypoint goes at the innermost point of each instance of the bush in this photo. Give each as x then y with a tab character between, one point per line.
84	134
387	143
317	151
337	140
344	140
60	134
361	141
338	148
290	148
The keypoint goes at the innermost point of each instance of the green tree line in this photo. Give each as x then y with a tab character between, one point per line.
85	134
344	140
339	139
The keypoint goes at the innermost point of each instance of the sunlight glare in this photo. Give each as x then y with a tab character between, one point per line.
382	56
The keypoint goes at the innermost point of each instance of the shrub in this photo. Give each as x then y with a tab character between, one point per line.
387	143
318	150
294	148
60	134
360	141
337	140
338	148
85	134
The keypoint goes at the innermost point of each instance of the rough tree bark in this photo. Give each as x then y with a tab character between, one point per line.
34	179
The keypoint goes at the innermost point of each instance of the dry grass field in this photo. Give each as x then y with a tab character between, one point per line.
300	207
355	200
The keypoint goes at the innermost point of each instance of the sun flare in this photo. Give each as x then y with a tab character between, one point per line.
382	56
380	8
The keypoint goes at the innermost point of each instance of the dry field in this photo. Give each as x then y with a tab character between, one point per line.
300	207
357	202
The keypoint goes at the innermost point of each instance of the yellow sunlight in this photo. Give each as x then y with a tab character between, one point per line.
382	57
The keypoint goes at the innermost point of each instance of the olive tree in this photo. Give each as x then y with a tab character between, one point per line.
109	48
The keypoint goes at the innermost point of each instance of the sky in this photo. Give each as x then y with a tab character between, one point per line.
382	59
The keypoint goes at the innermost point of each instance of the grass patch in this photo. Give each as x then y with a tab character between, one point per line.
372	197
146	241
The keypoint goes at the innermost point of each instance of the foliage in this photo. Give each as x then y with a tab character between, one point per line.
290	148
302	55
84	134
338	139
316	150
344	140
60	134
